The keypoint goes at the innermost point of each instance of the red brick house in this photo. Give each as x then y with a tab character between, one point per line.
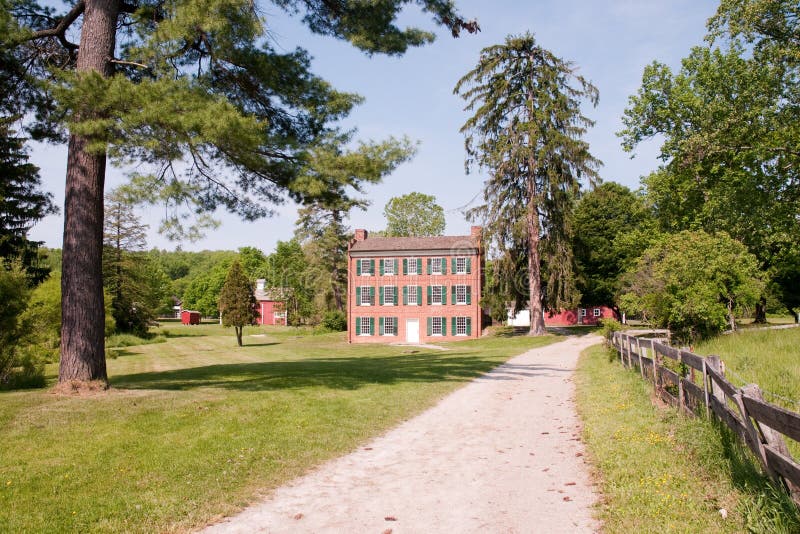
271	305
414	289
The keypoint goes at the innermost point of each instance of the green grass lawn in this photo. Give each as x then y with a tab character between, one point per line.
195	427
662	472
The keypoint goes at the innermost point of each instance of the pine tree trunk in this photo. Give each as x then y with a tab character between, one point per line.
83	314
534	263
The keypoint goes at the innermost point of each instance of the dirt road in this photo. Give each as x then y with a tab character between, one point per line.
502	454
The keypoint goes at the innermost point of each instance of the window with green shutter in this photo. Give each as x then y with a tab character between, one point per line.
380	295
358	295
372	326
430	326
358	326
405	266
372	296
380	264
444	265
453	326
469	265
469	326
405	295
430	290
419	295
469	294
419	265
453	294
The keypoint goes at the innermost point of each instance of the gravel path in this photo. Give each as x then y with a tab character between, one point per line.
502	454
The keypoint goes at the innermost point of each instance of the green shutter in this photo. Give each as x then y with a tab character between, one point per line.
358	295
469	294
444	265
453	294
419	295
453	327
419	266
405	266
429	266
358	267
430	326
358	326
381	266
405	295
381	295
429	295
372	326
395	295
372	295
453	267
380	328
444	325
372	267
469	326
469	265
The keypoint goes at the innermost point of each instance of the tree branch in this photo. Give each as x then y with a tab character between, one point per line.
131	63
61	28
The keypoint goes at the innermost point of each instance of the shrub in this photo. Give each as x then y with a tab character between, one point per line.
608	327
335	321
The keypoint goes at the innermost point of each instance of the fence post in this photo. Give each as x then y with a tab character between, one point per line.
752	390
639	351
771	437
681	403
716	363
705	388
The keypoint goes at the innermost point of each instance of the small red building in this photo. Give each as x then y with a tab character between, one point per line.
190	317
271	304
580	316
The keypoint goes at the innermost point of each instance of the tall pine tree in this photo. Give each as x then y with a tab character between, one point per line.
527	131
193	81
237	302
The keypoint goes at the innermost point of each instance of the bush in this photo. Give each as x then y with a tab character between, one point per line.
335	321
608	327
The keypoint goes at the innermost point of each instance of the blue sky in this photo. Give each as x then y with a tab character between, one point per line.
609	42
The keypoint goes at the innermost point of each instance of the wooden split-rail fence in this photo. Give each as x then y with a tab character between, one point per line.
697	384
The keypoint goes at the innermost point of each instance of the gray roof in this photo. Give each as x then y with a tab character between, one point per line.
393	244
272	293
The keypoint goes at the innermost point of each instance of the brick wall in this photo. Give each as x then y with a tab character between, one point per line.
403	313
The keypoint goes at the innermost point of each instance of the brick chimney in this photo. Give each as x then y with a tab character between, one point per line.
361	234
476	232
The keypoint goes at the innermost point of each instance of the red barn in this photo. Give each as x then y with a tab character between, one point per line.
580	316
271	304
190	317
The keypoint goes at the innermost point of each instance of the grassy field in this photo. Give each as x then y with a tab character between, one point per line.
195	427
768	358
662	472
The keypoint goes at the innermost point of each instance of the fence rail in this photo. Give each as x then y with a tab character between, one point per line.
697	384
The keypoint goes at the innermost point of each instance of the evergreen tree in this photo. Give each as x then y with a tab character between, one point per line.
526	131
237	303
21	205
320	227
191	80
413	214
136	284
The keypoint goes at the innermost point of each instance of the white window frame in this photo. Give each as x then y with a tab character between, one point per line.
412	270
442	295
387	266
583	312
442	326
366	267
597	312
461	326
434	261
365	327
366	297
461	265
391	331
461	291
386	300
412	290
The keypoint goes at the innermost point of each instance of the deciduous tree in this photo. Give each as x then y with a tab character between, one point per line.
527	131
413	214
693	283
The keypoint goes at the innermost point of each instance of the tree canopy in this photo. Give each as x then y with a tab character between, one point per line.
412	215
526	131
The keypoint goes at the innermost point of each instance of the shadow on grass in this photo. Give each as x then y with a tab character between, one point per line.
334	373
770	508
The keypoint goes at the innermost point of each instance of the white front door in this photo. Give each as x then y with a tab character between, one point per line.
412	330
